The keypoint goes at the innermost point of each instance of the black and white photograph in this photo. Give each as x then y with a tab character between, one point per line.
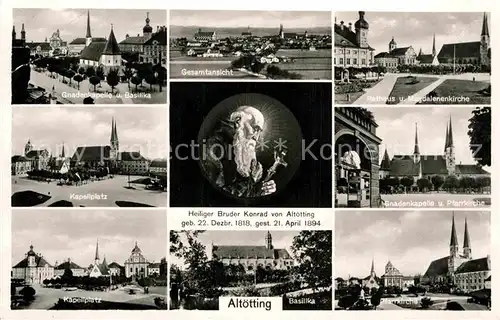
414	157
413	260
89	56
283	45
250	144
409	58
208	265
81	157
95	260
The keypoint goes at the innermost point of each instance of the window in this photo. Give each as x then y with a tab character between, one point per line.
355	61
363	61
348	60
341	61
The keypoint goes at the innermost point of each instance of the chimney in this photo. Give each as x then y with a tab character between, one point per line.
341	25
350	26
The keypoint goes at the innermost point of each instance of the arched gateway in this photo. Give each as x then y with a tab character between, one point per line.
356	158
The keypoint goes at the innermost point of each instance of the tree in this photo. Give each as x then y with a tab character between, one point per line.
28	293
347	301
137	81
375	298
426	302
99	72
450	183
480	135
78	78
94	80
81	71
112	79
313	250
437	181
423	184
90	72
150	79
51	68
128	73
407	182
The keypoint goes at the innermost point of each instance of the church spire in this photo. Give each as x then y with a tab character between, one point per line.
453	238
62	151
485	31
467	248
434	45
372	270
416	150
88	35
111	48
446	142
23	33
386	162
450	134
97	251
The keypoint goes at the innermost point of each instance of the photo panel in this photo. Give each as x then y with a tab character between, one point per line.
253	45
89	56
413	260
413	157
250	144
89	157
410	58
267	270
89	260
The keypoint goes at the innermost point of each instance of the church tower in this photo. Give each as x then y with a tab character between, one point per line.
385	166
23	33
392	45
13	33
96	259
453	259
416	149
361	28
372	270
434	45
269	241
111	56
115	145
467	248
28	147
485	43
147	31
88	35
281	34
449	150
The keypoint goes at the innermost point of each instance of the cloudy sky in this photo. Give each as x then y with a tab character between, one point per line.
59	235
397	130
410	240
254	19
72	23
50	127
417	28
281	239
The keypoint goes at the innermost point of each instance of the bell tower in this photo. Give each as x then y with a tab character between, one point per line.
269	241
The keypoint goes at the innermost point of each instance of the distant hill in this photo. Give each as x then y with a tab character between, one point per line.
189	31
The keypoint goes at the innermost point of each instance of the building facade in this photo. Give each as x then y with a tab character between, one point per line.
136	265
33	269
351	47
253	256
419	165
76	270
136	44
459	268
371	281
475	52
158	166
98	268
394	278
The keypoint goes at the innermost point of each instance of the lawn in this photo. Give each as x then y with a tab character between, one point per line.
469	90
403	88
341	98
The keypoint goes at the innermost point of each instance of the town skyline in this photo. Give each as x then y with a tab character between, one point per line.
416	29
72	23
402	236
251	18
281	240
58	235
396	128
51	127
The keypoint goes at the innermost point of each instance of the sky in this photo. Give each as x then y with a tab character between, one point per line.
397	130
411	240
417	28
281	239
253	19
50	127
61	234
72	23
